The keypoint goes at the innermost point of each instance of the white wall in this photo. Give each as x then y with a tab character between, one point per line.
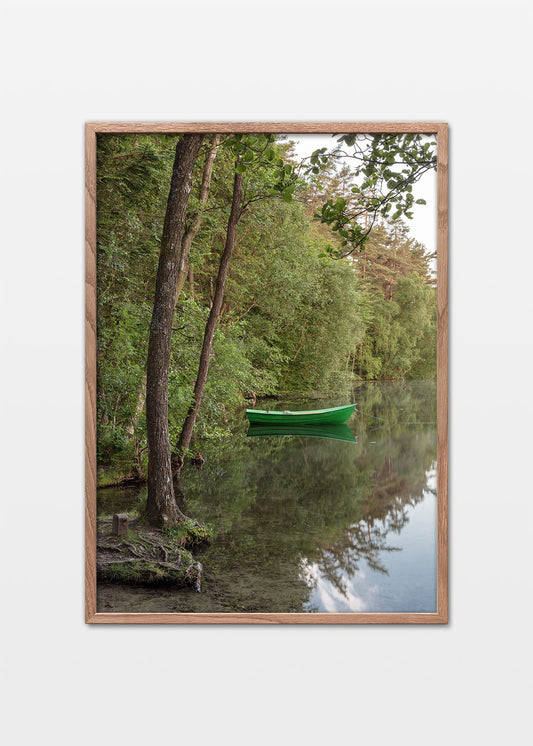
466	63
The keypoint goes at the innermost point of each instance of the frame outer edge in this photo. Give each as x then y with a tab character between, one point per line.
442	370
91	130
274	127
90	372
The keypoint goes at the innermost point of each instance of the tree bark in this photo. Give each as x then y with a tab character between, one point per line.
139	406
161	506
190	234
214	315
184	265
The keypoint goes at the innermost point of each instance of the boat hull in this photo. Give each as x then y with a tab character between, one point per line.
333	416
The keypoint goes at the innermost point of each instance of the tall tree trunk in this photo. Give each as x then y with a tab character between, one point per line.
194	227
161	506
214	315
184	265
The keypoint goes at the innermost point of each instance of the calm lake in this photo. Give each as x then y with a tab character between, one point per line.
308	524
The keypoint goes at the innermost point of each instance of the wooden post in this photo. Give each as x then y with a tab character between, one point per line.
120	524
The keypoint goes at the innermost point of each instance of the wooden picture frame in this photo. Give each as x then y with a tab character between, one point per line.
441	131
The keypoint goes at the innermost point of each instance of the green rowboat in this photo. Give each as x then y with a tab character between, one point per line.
334	415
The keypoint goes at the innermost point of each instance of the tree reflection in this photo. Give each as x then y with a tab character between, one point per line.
368	540
281	503
289	510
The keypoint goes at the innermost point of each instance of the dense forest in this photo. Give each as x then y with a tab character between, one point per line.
288	282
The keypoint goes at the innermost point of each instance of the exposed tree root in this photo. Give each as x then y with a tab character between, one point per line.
136	559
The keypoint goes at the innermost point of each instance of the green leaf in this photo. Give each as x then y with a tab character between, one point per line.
421	202
240	168
348	139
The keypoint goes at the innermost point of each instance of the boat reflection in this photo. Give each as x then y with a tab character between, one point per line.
333	432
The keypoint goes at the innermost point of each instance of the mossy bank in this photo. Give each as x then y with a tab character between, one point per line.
149	556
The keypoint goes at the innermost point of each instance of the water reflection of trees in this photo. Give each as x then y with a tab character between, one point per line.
394	402
280	503
367	540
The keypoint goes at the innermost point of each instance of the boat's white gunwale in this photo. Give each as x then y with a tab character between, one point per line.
302	412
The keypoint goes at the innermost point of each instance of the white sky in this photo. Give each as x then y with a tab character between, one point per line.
423	226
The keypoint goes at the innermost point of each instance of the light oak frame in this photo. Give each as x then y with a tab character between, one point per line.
92	129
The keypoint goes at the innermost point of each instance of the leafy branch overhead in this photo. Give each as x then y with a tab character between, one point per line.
384	170
267	174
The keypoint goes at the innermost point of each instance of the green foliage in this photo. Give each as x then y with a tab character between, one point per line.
189	533
132	187
261	160
293	320
399	297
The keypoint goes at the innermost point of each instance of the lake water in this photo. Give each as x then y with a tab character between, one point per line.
308	524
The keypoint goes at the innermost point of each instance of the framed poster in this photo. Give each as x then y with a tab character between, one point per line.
266	373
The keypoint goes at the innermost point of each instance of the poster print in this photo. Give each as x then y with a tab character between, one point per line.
266	378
